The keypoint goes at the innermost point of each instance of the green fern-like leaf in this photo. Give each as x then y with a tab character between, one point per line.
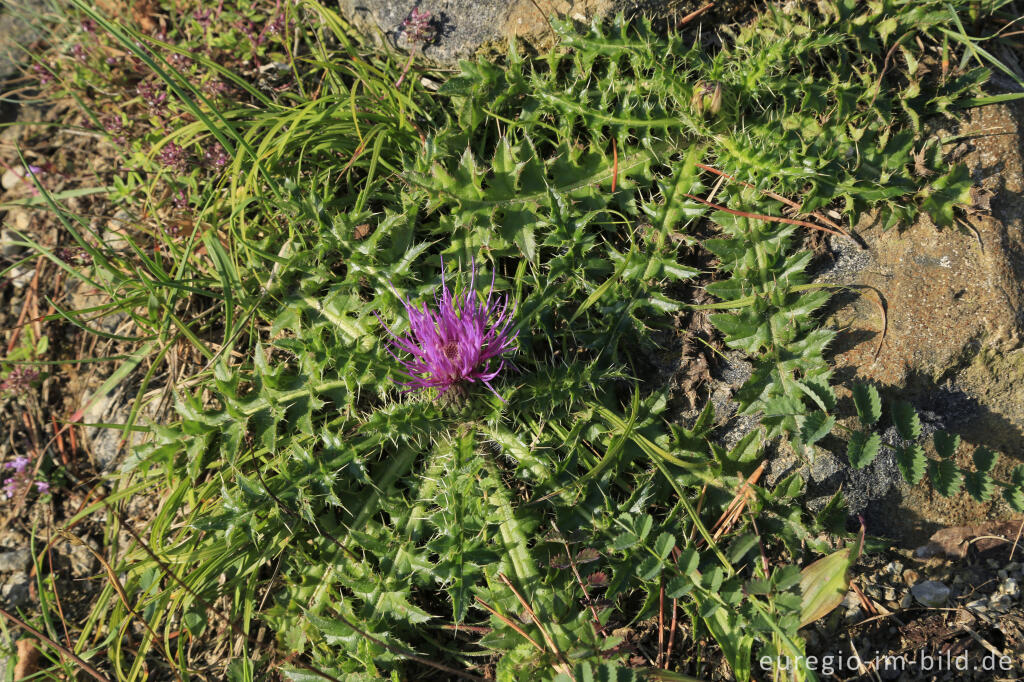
984	459
816	426
946	444
945	475
1014	497
911	462
908	424
979	485
868	403
862	448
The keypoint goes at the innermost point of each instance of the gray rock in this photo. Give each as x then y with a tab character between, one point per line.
458	29
83	562
16	30
1010	587
955	313
1000	603
907	601
979	605
930	593
15	560
15	591
8	238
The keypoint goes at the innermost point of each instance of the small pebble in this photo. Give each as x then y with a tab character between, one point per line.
15	560
1001	603
930	593
16	590
979	604
911	577
907	601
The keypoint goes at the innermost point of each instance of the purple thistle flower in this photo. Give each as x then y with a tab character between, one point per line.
457	343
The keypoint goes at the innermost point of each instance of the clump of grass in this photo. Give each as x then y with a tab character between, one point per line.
382	534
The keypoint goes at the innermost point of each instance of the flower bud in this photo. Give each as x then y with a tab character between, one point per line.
707	96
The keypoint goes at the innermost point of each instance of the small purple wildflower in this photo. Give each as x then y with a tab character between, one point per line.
115	127
18	463
202	17
74	255
174	156
277	26
88	25
417	26
21	481
79	53
179	61
42	74
18	380
152	95
455	344
10	489
180	200
216	157
215	88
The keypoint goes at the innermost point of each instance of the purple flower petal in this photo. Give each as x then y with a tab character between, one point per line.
456	343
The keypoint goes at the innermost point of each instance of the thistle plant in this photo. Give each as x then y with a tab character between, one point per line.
457	343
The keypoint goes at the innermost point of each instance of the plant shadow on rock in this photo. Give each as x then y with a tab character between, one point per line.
892	508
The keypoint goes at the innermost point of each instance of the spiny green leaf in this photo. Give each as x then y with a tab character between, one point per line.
664	545
688	561
649	569
678	586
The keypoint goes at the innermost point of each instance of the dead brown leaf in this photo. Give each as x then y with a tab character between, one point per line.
144	14
28	659
954	543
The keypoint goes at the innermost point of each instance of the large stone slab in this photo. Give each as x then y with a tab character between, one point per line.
954	302
463	27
